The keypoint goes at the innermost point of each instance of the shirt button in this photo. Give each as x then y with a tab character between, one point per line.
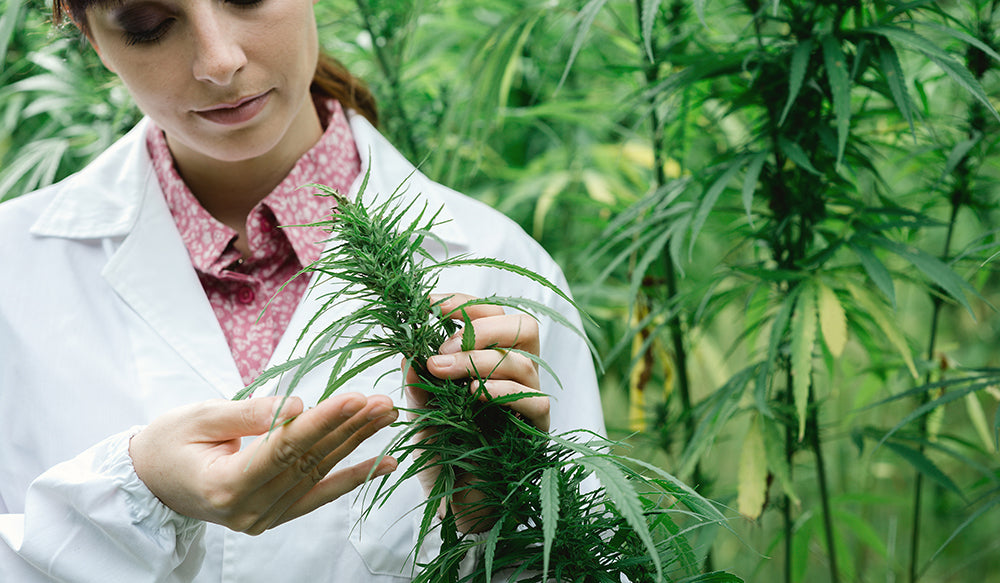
245	295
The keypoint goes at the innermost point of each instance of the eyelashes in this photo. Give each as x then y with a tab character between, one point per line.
147	36
145	27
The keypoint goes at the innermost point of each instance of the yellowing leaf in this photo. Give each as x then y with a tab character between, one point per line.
832	320
598	188
978	418
752	476
803	342
555	186
888	325
640	154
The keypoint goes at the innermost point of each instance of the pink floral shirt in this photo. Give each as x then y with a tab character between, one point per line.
240	288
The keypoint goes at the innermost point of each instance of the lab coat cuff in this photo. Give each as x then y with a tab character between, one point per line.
145	509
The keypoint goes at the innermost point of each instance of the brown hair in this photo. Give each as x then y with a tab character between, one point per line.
332	79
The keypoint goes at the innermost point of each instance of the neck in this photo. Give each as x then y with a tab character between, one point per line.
229	190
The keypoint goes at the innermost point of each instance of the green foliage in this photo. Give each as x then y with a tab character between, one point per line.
704	171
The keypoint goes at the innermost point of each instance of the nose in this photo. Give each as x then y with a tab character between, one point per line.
218	52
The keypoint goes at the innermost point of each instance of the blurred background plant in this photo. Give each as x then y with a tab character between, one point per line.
782	213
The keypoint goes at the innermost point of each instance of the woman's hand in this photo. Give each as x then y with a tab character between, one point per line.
191	458
506	372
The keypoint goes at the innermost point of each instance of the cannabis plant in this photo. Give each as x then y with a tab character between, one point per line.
546	523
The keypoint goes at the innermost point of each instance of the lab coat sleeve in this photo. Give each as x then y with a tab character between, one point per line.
91	519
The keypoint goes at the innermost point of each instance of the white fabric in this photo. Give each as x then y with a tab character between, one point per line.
104	326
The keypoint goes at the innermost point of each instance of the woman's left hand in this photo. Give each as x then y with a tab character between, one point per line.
506	372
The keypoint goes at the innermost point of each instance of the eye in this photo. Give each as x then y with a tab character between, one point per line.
143	24
147	36
245	3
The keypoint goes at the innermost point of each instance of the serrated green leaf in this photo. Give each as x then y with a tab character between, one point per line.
894	77
832	320
468	333
621	492
752	473
797	73
936	270
709	199
490	552
584	20
925	466
876	270
803	341
840	86
549	493
946	61
649	10
796	154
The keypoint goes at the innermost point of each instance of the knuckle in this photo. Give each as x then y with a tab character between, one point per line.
307	466
222	500
288	454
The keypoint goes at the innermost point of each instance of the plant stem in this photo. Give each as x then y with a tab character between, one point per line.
405	129
831	546
786	511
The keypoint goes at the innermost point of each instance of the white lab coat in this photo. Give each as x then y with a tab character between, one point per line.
104	326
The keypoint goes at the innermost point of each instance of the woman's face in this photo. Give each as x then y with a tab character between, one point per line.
226	79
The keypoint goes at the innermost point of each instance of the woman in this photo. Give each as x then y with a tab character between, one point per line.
130	319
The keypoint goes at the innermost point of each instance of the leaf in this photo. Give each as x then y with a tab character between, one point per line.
468	333
876	271
750	182
936	270
752	475
549	493
803	341
894	77
840	85
796	154
832	320
709	199
649	10
924	465
777	461
946	61
491	548
799	64
886	324
584	20
978	418
621	492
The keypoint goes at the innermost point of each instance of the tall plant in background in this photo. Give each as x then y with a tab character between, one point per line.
808	82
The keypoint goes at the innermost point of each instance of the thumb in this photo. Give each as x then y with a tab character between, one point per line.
226	420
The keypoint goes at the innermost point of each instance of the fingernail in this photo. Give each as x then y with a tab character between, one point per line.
450	346
351	407
442	361
378	411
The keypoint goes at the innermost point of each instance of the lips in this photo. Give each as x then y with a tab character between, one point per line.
240	111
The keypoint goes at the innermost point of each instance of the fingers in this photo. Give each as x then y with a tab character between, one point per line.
487	364
307	448
451	306
504	331
335	485
299	456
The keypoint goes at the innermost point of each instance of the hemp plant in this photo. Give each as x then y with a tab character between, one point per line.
542	521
